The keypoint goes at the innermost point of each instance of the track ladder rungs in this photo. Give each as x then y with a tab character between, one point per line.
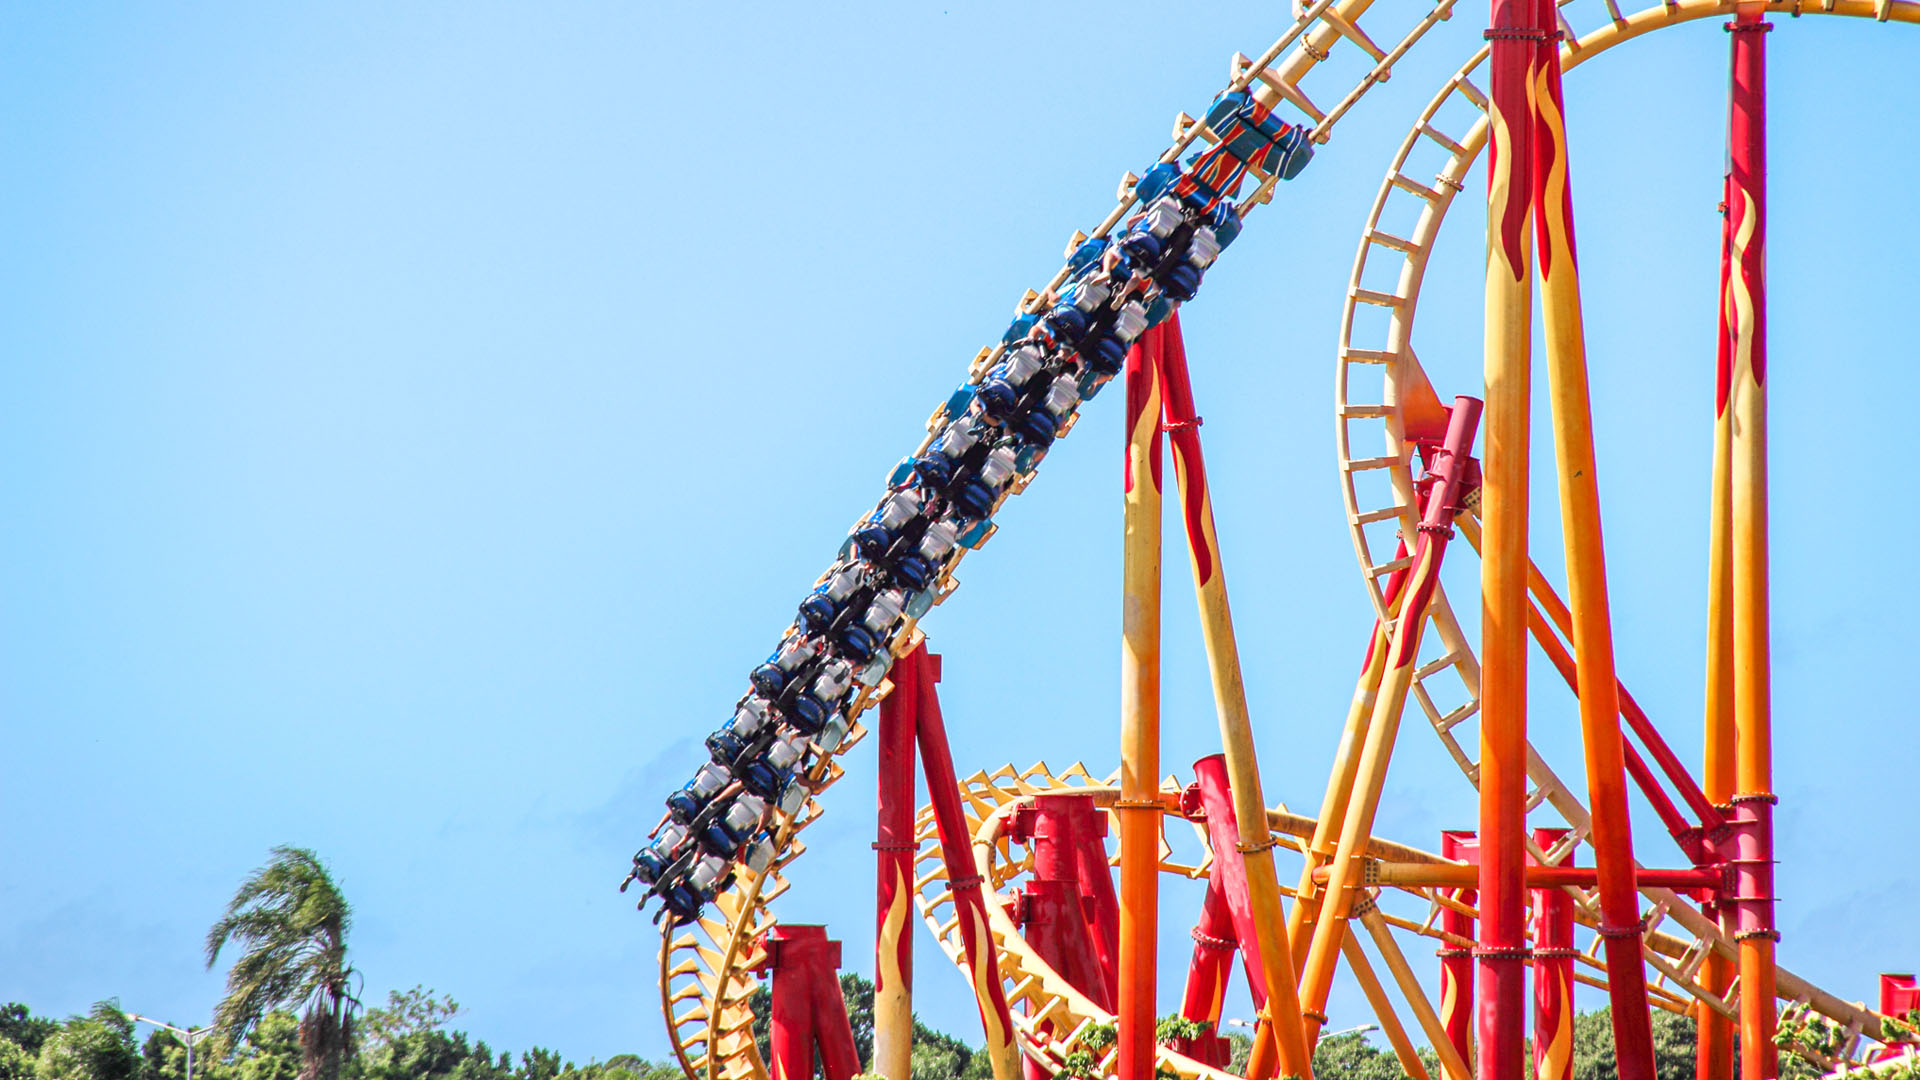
1385	568
1458	716
1447	144
1363	464
1388	240
1471	93
1414	187
1378	299
1385	513
1352	32
1291	92
1366	412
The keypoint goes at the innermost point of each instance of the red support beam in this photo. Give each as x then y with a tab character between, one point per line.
809	1013
1058	828
1553	954
1101	901
1214	947
1899	995
1456	959
893	878
1213	796
913	677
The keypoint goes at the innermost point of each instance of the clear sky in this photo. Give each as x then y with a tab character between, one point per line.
418	419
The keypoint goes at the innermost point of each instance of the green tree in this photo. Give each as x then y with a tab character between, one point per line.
97	1046
292	922
1593	1050
18	1025
406	1015
15	1062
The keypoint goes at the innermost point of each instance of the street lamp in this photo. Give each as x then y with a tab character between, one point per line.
187	1035
1324	1035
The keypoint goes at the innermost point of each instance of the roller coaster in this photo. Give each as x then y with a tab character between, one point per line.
1011	870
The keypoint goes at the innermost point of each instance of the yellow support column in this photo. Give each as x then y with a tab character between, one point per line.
1138	809
1281	1033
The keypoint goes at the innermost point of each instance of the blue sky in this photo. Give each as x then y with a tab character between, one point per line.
419	419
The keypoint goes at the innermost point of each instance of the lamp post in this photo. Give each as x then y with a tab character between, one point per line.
187	1035
1327	1035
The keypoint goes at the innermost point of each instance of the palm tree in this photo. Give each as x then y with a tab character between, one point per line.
292	921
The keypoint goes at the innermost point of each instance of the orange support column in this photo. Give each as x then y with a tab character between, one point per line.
1746	303
1713	1044
1599	687
1502	973
1138	808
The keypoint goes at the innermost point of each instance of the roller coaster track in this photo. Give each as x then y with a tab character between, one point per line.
705	963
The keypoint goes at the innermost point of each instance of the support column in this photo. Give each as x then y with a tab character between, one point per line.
1214	947
1346	762
1281	1044
1138	808
809	1012
1212	794
1057	828
893	902
1501	974
1713	1044
1456	960
1753	799
1553	954
914	676
1599	688
1101	901
1455	476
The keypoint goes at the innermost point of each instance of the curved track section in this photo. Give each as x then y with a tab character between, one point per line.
705	954
1380	391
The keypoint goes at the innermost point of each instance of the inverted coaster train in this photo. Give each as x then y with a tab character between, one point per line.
1010	870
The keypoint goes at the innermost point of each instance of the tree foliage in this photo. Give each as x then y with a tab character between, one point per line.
97	1046
291	922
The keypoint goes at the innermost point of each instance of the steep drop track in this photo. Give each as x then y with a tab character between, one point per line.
704	976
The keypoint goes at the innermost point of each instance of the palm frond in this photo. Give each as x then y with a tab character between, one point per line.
290	922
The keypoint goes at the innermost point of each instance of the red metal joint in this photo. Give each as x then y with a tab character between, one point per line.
1181	425
1486	952
1550	954
1315	1015
1636	930
878	846
1452	952
1208	941
1749	27
1192	806
1018	907
1502	33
